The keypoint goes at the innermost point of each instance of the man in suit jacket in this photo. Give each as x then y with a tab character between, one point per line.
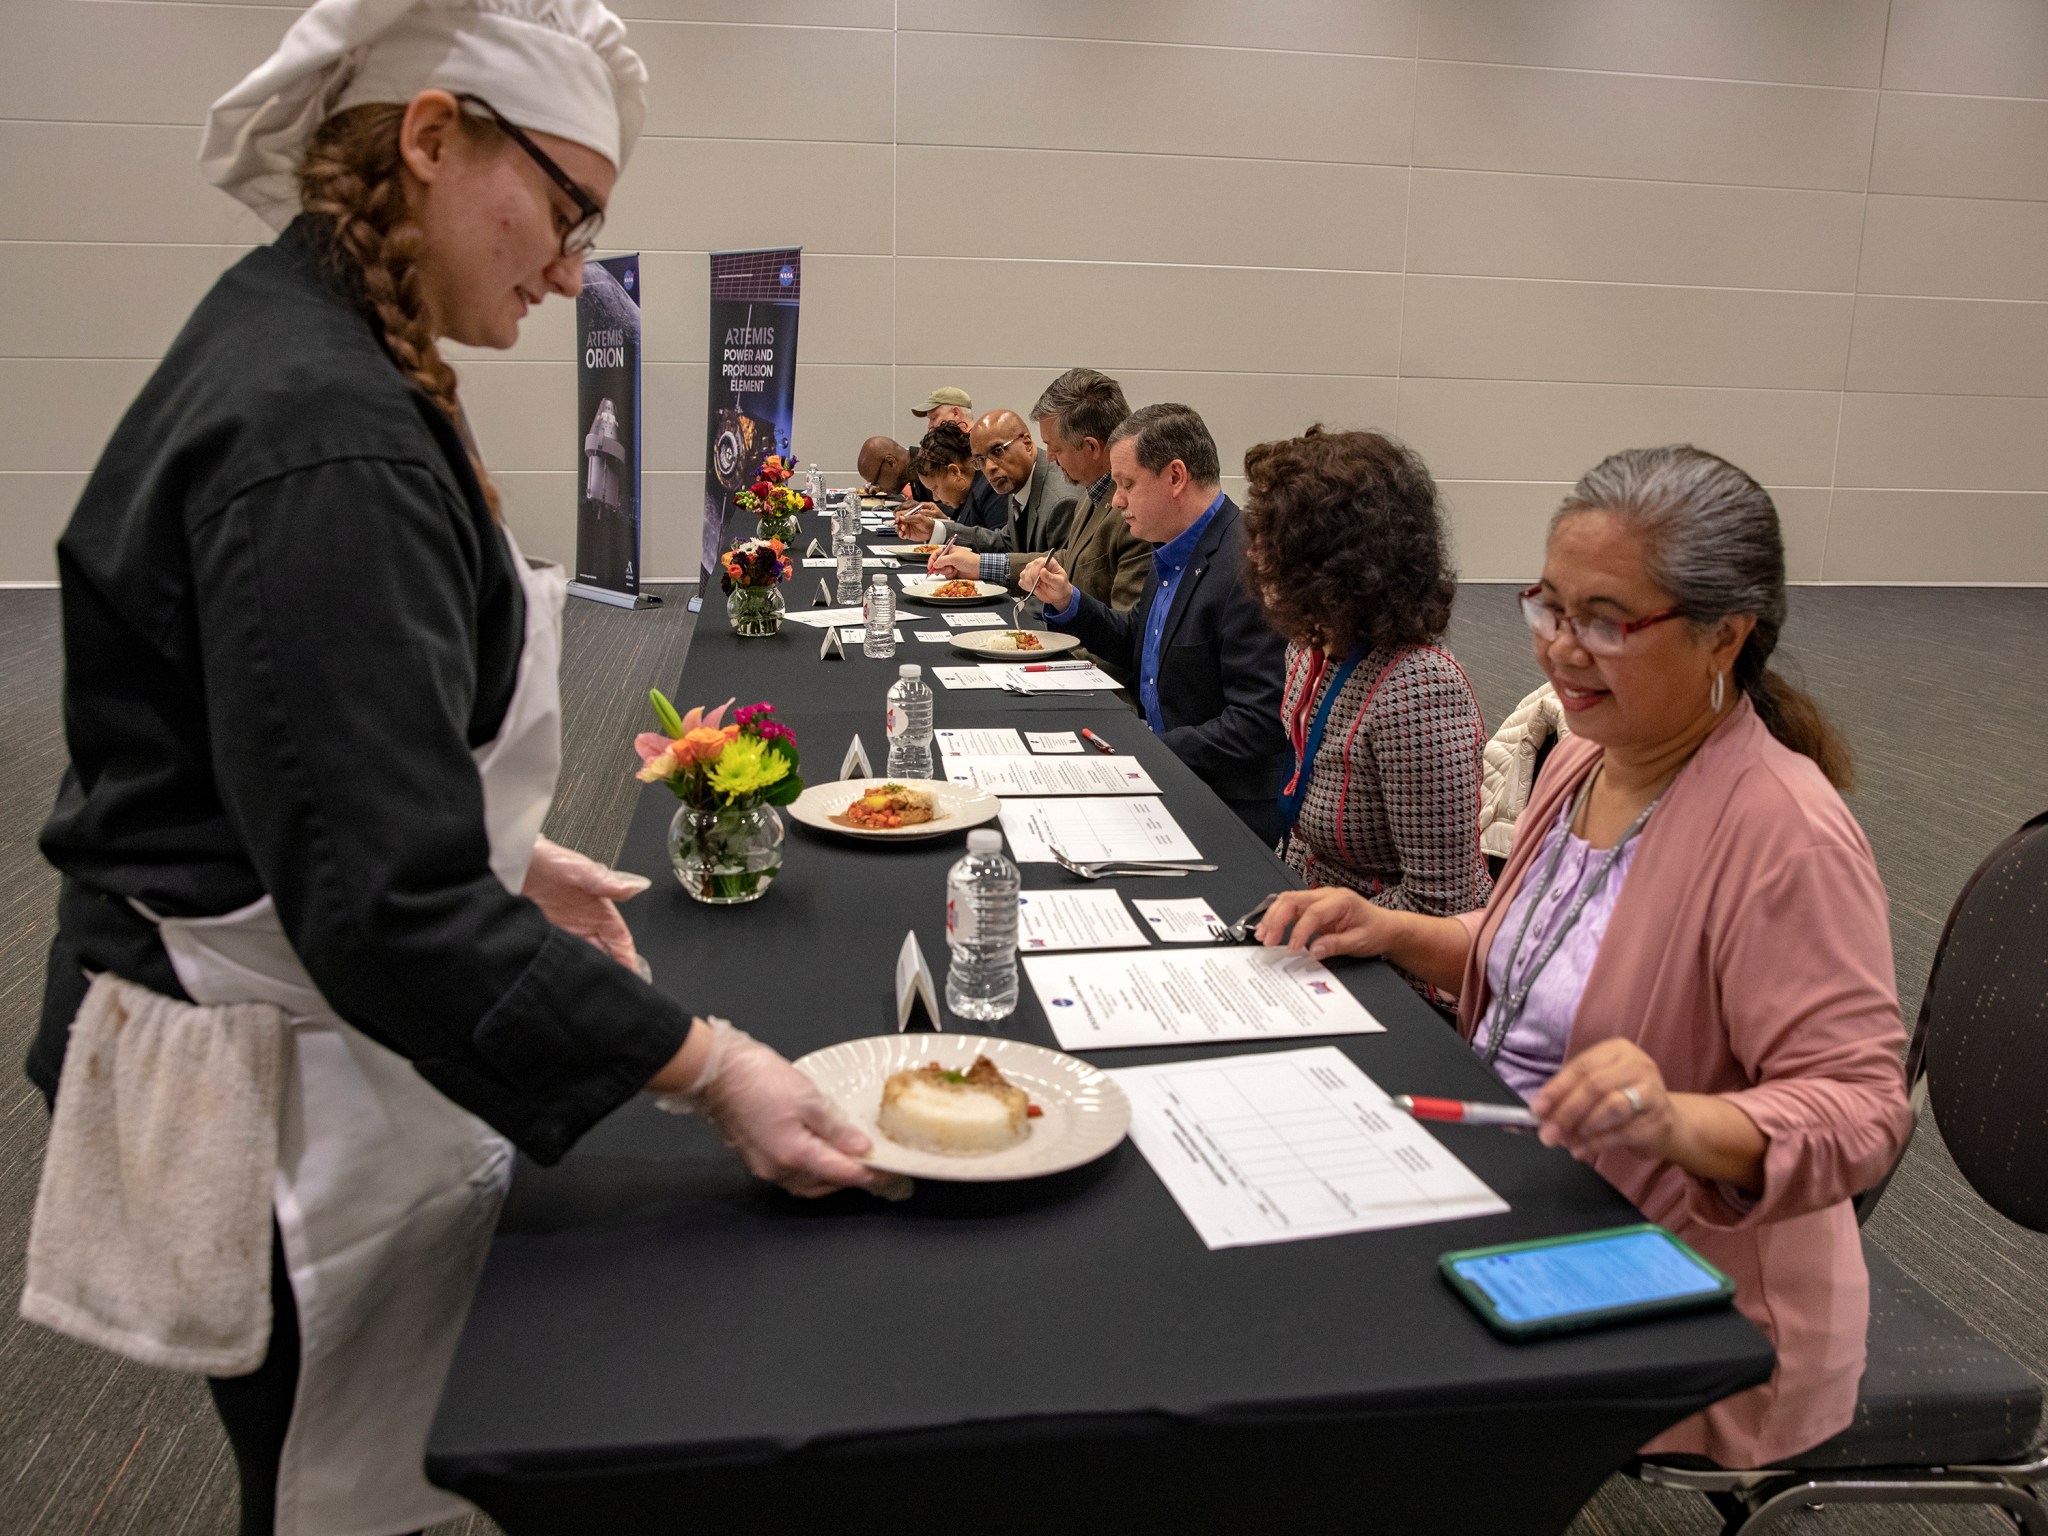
1209	671
1076	415
1040	503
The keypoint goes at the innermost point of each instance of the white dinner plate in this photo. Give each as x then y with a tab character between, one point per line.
958	807
1002	643
1085	1112
908	553
984	591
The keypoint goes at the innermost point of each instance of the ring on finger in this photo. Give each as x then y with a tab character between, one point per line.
1635	1099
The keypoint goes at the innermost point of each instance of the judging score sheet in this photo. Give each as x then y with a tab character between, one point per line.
1289	1145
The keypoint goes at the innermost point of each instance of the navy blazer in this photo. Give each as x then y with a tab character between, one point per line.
1221	670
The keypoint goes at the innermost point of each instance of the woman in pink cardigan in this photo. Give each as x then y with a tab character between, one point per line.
1686	967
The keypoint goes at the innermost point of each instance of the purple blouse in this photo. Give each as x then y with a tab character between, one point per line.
1535	1044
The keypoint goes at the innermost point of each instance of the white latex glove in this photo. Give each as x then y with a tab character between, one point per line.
783	1128
580	896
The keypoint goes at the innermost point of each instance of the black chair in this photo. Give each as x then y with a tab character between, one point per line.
1943	1415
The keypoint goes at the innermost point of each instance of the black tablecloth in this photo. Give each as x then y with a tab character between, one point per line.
660	1344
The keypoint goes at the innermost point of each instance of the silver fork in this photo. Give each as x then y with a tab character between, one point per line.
1098	869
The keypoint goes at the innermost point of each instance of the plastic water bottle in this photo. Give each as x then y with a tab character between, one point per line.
981	930
881	636
814	488
846	578
910	724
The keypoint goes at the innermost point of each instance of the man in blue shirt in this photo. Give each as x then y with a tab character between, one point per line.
1209	672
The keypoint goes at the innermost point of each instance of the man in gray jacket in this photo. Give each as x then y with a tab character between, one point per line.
1041	503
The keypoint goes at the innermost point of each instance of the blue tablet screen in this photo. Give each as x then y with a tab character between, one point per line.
1537	1283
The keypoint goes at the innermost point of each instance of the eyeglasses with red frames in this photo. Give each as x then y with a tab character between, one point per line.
1600	637
579	235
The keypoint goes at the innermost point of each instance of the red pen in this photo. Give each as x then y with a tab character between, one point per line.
1056	666
1099	744
1514	1116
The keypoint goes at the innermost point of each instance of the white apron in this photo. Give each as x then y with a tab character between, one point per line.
387	1192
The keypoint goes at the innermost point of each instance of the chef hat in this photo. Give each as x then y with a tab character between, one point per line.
554	66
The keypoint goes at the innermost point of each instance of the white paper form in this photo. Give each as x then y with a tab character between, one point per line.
980	619
984	742
1111	827
1181	920
1192	997
965	677
1088	679
933	636
1050	920
1051	776
1295	1144
1053	741
825	618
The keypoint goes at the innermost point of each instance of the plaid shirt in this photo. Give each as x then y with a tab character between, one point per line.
995	563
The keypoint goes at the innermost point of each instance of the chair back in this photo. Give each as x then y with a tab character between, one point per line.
1981	1041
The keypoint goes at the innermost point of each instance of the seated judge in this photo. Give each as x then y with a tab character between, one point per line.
945	464
884	465
1208	668
1686	966
1346	550
1040	502
949	405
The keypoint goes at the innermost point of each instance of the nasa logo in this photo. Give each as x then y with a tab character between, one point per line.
786	276
1063	1002
630	277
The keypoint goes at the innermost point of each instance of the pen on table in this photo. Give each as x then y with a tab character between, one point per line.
1513	1116
1057	666
1096	741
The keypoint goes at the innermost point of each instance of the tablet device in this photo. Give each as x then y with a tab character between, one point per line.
1586	1280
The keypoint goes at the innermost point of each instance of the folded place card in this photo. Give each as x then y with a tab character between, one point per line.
830	649
917	1001
855	764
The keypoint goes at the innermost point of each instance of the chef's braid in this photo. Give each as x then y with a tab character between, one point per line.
352	177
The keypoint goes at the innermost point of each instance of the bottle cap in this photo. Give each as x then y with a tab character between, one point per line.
880	580
909	669
984	840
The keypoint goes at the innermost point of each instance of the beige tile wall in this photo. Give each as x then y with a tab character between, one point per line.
1812	236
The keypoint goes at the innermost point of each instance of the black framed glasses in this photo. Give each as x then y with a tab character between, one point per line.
997	450
1599	637
578	237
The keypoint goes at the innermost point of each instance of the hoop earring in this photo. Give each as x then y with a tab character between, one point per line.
1714	698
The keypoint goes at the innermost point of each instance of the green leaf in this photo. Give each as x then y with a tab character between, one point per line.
783	791
665	712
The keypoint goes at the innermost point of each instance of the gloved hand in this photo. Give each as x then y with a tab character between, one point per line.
783	1128
580	896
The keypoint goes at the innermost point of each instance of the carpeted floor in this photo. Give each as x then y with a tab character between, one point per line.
1941	691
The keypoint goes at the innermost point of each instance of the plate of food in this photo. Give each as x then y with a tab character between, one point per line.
893	809
909	554
1012	643
971	1108
941	593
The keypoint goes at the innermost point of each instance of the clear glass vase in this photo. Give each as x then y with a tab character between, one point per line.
787	529
728	856
754	611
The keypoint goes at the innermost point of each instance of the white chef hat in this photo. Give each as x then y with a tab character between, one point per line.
554	66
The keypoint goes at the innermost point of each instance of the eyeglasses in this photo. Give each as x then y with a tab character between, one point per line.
578	237
1600	637
998	450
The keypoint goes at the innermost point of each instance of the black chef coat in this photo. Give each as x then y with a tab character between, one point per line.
288	619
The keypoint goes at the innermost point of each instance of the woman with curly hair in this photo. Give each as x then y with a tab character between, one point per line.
1346	552
945	462
307	923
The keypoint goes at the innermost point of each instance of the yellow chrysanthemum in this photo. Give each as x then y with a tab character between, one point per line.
746	767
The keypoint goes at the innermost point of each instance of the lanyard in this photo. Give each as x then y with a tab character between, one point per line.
1305	752
1508	1006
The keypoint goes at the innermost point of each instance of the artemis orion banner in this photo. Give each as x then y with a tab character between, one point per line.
608	426
754	297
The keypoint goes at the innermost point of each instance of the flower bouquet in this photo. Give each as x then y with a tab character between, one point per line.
726	840
771	500
751	574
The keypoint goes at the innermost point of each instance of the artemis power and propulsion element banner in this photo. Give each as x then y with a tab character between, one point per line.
754	297
608	425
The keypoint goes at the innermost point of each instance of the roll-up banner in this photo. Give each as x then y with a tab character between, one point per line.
754	297
608	434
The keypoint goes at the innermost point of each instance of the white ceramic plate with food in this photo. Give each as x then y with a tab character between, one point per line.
955	807
934	591
1004	645
1083	1113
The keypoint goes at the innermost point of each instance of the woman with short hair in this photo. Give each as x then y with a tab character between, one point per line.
1347	554
946	463
1686	967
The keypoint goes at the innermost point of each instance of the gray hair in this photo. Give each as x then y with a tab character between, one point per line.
1085	404
1711	539
1163	433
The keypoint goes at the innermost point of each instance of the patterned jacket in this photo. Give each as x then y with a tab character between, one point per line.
1392	809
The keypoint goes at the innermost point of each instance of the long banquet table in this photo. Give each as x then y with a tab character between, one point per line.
661	1344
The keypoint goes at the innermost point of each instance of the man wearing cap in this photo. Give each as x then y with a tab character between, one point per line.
985	507
307	924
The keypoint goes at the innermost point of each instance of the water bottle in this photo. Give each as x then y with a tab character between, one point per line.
881	636
910	724
981	930
846	557
814	488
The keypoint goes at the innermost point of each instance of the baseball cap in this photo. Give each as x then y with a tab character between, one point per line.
945	394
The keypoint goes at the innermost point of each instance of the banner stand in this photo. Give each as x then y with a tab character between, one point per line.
751	399
617	598
608	503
